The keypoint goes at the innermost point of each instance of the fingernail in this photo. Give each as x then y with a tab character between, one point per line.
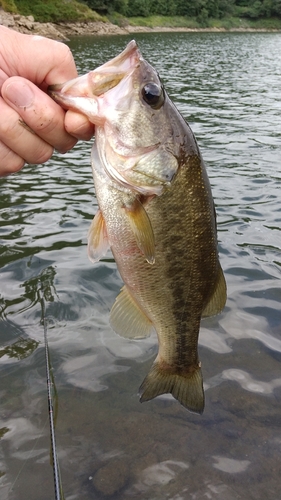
19	94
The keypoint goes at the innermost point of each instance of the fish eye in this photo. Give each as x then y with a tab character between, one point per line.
153	95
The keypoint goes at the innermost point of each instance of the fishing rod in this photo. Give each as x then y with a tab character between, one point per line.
56	471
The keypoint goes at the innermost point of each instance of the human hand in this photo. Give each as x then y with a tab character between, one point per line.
32	125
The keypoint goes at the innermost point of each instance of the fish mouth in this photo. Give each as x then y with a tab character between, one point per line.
82	93
100	95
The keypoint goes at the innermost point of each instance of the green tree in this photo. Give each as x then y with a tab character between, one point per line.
121	6
276	9
258	8
106	6
201	9
271	8
164	8
225	7
213	8
187	8
139	8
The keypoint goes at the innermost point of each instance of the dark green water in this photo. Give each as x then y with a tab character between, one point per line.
109	445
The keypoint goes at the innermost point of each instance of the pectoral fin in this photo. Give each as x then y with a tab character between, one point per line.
218	299
127	319
142	229
97	238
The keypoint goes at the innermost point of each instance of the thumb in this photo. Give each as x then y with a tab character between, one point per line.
18	93
42	115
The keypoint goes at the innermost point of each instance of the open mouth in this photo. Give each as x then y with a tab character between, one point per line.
82	93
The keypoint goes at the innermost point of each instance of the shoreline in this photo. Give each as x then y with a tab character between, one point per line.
63	31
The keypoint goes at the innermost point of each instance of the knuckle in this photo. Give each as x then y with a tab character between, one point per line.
46	121
9	120
66	52
11	125
10	162
37	151
43	154
67	145
50	127
65	55
16	166
8	128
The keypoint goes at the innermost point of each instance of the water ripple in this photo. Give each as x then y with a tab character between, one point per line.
228	87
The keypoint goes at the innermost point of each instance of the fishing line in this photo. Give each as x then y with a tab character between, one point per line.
27	458
57	478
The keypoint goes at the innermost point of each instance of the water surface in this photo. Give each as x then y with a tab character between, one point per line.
227	86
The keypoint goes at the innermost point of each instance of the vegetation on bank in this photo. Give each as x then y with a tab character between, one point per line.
194	14
200	9
227	23
55	11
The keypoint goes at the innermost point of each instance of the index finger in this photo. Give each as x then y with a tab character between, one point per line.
48	61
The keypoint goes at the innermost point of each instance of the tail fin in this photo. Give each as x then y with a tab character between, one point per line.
187	388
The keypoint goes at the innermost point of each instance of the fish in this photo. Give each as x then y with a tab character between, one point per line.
157	215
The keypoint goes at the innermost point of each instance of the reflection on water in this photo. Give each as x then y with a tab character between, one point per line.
109	445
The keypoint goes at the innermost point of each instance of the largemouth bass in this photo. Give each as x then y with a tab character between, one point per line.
157	215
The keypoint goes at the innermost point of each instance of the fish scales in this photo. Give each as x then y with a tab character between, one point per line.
157	215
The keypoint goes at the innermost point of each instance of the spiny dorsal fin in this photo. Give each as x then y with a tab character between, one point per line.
142	229
218	298
127	319
97	238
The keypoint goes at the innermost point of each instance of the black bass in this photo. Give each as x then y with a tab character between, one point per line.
157	215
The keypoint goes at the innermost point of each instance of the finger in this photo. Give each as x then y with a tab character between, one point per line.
19	139
78	126
48	61
10	162
3	77
39	112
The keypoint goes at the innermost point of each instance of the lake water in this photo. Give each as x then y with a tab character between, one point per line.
228	88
